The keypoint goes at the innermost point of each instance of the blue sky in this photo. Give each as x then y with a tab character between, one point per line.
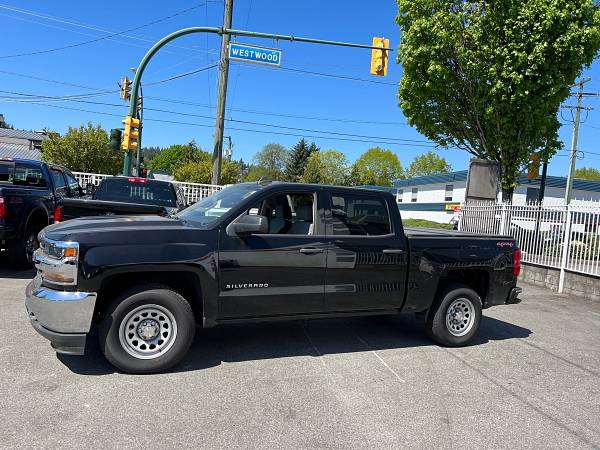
256	93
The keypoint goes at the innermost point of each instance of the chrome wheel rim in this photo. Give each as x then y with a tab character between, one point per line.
148	331
460	317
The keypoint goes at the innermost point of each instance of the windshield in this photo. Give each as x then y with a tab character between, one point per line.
133	190
209	209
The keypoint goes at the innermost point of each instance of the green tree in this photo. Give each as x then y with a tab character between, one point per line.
587	173
269	163
201	172
83	149
428	164
327	167
150	153
377	166
298	158
489	77
169	159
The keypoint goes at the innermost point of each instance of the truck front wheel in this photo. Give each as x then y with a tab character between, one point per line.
455	316
147	330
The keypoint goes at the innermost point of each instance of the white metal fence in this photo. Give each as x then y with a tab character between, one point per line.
192	191
558	236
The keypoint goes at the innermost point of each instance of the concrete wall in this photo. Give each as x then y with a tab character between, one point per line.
578	284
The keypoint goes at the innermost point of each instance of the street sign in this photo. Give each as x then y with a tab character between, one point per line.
252	53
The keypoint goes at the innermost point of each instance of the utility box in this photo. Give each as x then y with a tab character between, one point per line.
482	180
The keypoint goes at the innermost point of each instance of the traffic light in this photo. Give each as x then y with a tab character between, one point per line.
379	58
115	139
534	165
131	134
125	88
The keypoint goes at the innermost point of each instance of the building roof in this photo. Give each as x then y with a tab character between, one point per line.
22	134
19	151
461	175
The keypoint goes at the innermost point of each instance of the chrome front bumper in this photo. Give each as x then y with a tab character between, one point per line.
63	317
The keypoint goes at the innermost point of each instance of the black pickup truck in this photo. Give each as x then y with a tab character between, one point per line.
258	251
119	196
30	196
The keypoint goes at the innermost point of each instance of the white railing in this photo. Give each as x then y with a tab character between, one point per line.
192	191
94	178
551	235
196	191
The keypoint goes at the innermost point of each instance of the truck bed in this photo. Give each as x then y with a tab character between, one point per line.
438	232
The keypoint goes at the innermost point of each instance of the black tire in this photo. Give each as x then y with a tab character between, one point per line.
122	311
446	329
20	251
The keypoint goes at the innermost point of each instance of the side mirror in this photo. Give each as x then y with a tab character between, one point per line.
246	225
90	188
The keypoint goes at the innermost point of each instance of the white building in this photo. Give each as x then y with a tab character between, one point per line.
435	197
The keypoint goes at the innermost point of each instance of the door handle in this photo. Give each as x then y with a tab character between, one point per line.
393	251
311	251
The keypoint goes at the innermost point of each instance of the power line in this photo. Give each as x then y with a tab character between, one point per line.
181	75
99	92
320	74
79	44
270	132
416	142
20	95
86	25
204	105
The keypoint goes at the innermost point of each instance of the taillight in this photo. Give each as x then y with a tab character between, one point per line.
58	214
517	262
137	180
3	208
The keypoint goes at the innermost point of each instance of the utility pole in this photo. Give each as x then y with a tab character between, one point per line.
223	74
573	157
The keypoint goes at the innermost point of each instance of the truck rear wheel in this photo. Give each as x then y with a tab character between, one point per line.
21	251
147	330
455	316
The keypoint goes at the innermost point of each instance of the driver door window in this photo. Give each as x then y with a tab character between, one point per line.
289	214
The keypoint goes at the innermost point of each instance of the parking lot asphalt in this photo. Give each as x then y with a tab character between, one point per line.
530	380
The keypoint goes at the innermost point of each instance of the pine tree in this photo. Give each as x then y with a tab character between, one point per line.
298	158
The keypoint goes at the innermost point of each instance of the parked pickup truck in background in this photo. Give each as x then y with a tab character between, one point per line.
259	251
126	196
30	196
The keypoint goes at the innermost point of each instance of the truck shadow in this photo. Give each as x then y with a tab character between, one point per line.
239	343
6	271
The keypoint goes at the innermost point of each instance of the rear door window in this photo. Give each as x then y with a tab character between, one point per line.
359	215
26	175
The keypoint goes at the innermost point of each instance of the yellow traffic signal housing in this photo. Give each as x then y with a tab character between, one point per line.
131	134
125	88
534	165
379	58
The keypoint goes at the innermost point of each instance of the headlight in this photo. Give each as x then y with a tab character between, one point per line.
59	249
56	261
